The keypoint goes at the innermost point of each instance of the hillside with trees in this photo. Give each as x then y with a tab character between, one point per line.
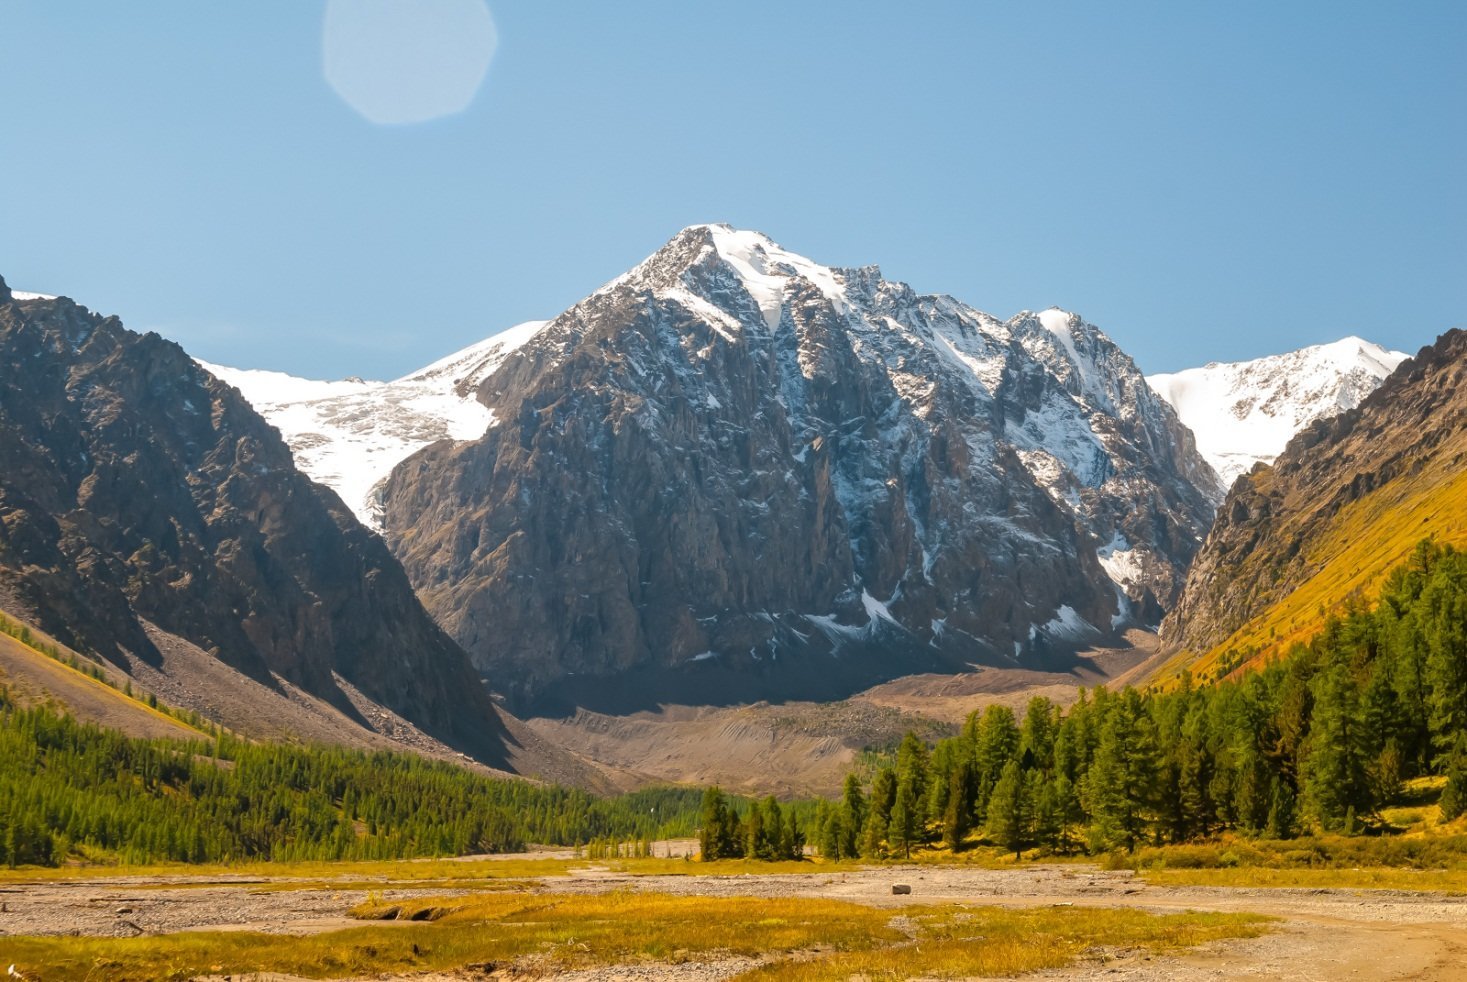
1320	740
74	789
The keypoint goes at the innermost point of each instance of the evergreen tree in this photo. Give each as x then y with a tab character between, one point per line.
852	816
912	764
883	796
957	817
903	830
1281	818
1121	783
1336	782
1008	810
873	836
1454	796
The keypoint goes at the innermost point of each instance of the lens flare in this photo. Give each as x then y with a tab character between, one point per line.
407	61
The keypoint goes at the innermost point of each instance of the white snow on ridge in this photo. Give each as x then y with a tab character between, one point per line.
24	295
1245	412
765	267
349	434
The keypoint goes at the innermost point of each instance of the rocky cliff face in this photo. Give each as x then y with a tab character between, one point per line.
733	456
1346	501
137	490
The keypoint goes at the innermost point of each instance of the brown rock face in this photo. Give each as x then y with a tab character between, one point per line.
134	485
1354	491
732	461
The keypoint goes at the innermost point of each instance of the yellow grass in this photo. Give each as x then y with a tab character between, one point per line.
108	691
1361	545
953	943
559	931
807	938
448	871
1449	881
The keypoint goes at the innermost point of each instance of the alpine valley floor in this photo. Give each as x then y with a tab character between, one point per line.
550	915
801	747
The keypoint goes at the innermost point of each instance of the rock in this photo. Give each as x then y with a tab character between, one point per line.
135	487
901	889
732	462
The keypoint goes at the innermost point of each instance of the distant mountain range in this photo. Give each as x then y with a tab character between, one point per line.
753	455
1245	412
730	474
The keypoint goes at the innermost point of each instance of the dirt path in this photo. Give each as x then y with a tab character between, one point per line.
1324	934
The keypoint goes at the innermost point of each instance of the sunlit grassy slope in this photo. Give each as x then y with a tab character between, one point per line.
1353	556
36	668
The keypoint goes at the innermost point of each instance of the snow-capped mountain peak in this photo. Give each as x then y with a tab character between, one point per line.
1246	412
733	448
349	434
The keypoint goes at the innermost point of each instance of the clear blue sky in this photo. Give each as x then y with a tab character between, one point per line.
1204	182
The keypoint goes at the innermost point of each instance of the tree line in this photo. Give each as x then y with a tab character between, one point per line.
72	788
1319	740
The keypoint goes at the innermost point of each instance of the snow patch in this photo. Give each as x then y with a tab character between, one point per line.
1120	562
1066	625
876	610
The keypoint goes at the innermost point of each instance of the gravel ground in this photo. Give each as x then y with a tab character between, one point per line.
1324	934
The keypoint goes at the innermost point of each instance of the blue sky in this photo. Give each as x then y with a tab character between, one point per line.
1205	182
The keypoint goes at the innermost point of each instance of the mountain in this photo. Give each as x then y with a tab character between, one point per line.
1347	500
1245	412
349	434
731	462
149	516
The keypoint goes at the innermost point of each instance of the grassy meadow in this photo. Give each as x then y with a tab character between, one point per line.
806	939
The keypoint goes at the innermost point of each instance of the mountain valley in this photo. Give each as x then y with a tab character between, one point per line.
736	499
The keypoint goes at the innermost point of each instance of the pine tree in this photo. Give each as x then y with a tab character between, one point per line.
883	795
1037	735
957	817
873	836
794	837
1335	774
1121	783
1281	819
903	828
912	765
713	822
1008	810
852	816
828	831
1453	801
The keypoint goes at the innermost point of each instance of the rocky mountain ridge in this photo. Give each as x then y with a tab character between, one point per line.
145	506
732	457
1347	500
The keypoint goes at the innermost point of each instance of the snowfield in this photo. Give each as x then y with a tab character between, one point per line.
1246	412
349	434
